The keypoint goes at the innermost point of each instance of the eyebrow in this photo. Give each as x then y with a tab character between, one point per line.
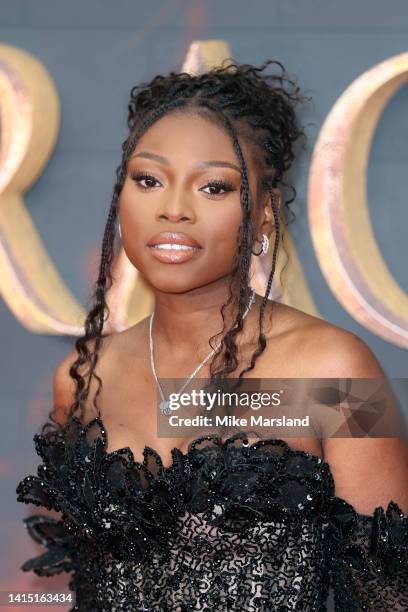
201	164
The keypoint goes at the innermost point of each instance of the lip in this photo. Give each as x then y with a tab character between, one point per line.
174	238
171	255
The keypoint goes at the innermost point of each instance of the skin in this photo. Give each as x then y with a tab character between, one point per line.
368	472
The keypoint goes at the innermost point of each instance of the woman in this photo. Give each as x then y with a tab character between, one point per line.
152	523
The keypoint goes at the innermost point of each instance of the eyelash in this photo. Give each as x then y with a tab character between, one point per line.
138	176
221	184
225	185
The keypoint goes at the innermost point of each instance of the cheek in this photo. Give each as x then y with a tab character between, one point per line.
129	206
222	231
134	224
136	214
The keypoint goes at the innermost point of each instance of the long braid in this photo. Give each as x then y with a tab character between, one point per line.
96	316
261	337
244	240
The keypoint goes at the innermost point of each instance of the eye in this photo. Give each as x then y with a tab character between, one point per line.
149	180
217	188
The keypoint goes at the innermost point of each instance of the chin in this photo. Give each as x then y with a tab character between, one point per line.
169	283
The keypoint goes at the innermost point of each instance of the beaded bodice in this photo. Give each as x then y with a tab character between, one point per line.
228	526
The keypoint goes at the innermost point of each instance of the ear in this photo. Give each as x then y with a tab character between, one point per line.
266	219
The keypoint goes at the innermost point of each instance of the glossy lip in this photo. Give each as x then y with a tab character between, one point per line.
170	255
174	238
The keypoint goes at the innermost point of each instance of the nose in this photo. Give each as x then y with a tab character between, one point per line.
170	216
176	209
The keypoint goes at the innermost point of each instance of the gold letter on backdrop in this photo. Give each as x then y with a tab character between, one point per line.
338	212
29	281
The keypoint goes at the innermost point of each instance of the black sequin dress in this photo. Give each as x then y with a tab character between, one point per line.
228	526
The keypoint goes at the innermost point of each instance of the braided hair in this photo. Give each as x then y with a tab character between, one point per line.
248	103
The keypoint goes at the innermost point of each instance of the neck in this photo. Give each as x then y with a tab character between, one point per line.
183	323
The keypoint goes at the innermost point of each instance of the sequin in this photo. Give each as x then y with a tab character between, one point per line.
227	526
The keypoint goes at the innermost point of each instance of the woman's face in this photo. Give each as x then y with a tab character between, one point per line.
183	178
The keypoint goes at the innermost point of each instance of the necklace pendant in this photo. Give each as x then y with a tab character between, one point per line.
165	407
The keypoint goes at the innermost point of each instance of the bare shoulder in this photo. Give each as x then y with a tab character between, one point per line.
340	353
71	366
321	349
368	472
113	355
64	384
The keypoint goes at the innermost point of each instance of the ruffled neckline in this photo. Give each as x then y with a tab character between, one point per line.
82	437
270	450
195	446
152	461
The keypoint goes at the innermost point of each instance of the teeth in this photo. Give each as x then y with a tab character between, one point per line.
175	247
